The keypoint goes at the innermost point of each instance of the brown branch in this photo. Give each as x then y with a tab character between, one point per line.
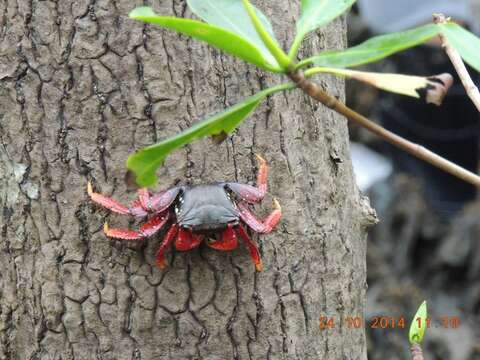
314	91
416	352
456	59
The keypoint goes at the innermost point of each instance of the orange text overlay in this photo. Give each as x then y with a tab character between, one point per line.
387	322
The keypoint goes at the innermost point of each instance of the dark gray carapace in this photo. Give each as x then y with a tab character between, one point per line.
205	208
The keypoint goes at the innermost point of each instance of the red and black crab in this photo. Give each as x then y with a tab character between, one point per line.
217	212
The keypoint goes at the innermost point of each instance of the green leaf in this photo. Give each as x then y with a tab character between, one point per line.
232	15
316	13
223	39
464	42
146	161
373	49
417	332
271	44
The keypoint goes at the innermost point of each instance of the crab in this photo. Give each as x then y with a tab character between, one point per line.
215	212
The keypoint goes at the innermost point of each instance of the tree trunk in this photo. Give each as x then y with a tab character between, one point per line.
81	87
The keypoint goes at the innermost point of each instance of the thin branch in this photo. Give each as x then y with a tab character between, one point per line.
456	59
314	91
416	352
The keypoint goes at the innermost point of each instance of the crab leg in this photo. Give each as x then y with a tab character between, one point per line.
113	205
252	194
255	255
144	199
161	201
167	240
227	242
186	240
151	227
257	225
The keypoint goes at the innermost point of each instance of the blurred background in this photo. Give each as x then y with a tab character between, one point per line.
426	245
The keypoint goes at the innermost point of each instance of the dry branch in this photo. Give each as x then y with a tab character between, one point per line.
314	91
456	59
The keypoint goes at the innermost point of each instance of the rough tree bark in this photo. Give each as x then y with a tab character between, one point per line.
81	87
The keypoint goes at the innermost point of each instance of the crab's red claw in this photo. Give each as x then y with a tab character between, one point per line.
252	248
167	240
262	174
124	234
153	225
227	242
106	202
253	194
246	192
187	241
114	205
274	217
160	202
144	199
257	225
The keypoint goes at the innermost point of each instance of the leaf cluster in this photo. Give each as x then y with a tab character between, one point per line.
238	28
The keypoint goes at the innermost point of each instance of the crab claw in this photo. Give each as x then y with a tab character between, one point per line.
277	205
107	202
113	233
261	160
89	188
124	234
273	219
257	225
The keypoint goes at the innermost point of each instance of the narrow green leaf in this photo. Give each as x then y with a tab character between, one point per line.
418	325
232	15
271	44
466	43
146	161
373	49
223	39
316	13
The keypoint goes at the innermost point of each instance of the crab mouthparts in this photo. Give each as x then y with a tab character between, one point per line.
209	228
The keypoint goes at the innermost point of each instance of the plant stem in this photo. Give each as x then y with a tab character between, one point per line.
456	59
294	48
314	91
416	352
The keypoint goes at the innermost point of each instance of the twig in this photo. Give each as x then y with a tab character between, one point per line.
416	352
456	59
314	91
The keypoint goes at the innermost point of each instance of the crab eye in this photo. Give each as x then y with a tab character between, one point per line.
231	196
